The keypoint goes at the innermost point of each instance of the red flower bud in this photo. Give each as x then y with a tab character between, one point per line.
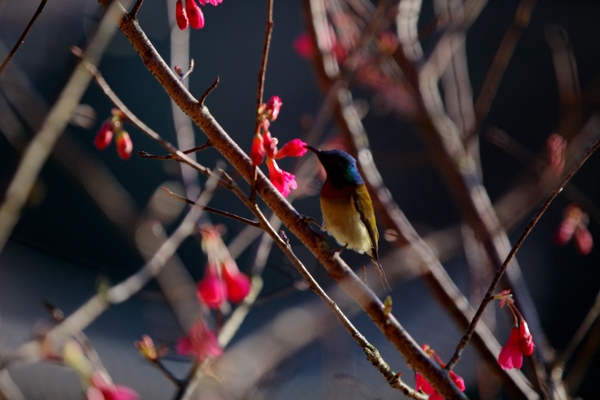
104	136
257	152
195	15
238	284
525	338
583	241
181	15
212	291
273	107
124	145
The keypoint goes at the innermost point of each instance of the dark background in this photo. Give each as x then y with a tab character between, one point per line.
63	242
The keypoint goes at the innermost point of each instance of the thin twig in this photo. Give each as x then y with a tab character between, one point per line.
145	154
208	91
131	117
118	293
265	54
189	71
558	367
211	209
500	62
336	267
370	351
40	147
15	48
490	293
135	9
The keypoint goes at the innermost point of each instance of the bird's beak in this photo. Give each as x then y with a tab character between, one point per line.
313	149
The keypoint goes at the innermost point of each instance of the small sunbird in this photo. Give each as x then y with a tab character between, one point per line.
346	205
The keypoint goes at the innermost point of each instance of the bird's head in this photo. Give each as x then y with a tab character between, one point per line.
339	165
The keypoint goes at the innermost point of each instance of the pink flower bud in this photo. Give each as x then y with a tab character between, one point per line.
238	284
104	136
194	13
273	107
565	232
511	355
124	145
181	15
212	291
583	241
294	148
525	338
257	152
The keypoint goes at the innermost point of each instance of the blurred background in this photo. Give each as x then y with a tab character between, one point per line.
64	241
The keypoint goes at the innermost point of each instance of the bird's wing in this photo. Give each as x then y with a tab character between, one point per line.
361	196
367	216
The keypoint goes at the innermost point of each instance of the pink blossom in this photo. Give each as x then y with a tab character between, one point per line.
511	355
423	384
200	342
293	148
238	284
213	2
519	342
574	227
282	180
273	107
211	290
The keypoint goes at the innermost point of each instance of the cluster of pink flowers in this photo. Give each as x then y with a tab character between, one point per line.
114	126
222	279
520	341
423	385
574	226
191	14
264	145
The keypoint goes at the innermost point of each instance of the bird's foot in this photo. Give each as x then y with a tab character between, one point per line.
307	220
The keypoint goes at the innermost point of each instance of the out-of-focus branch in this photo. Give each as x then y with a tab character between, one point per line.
349	122
337	269
393	218
500	62
40	147
184	131
558	368
88	312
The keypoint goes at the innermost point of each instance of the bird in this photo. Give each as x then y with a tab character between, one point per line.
346	205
